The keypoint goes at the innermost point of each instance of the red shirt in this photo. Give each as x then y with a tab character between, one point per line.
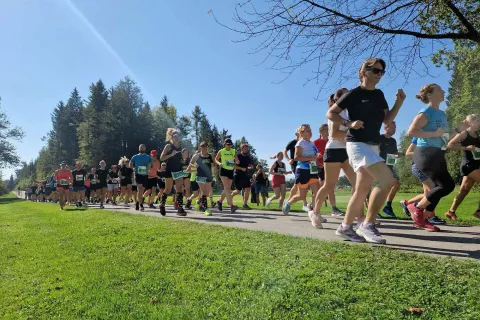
320	144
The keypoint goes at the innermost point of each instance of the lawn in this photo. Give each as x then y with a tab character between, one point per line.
464	213
109	265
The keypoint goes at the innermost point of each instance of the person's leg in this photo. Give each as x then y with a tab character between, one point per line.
227	185
179	199
467	184
332	171
274	197
385	181
300	195
187	187
283	192
246	195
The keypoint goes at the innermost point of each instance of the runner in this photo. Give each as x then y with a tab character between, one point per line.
430	126
277	172
336	159
151	188
63	177
92	177
289	154
161	180
321	144
306	174
241	178
389	152
469	141
195	188
126	177
186	175
260	185
79	177
112	183
427	186
367	110
50	188
141	164
226	159
172	155
203	162
101	179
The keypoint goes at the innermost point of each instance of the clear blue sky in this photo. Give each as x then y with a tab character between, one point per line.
168	47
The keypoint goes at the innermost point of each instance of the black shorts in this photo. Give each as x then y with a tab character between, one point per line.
226	173
241	181
303	176
161	183
134	187
125	182
48	191
101	186
93	187
151	183
467	167
194	186
141	179
294	167
335	155
321	173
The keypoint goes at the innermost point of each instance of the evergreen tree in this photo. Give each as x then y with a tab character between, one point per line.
11	183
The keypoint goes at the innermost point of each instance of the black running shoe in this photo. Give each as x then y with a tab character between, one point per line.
233	209
436	220
80	204
163	212
152	206
142	208
246	207
188	205
137	205
220	207
213	204
181	212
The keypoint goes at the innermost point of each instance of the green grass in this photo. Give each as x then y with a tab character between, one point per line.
464	213
109	265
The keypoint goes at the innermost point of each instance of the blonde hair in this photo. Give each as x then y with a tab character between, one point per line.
276	156
122	160
302	128
368	64
426	89
169	134
472	117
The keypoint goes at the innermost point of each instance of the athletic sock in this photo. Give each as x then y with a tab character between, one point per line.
164	200
180	200
204	202
345	226
389	204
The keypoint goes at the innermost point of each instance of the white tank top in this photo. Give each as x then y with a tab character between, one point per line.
337	143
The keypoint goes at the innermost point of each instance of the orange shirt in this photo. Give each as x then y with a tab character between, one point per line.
152	172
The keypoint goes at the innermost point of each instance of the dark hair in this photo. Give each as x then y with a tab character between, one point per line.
334	97
426	89
369	63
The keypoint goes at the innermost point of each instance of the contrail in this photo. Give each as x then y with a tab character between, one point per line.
100	38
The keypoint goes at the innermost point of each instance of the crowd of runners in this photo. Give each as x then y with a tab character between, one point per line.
351	141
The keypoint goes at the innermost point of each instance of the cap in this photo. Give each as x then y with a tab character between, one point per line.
228	141
154	153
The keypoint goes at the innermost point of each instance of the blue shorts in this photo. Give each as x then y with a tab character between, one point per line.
419	174
260	188
78	189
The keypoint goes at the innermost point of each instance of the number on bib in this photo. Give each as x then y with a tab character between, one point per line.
201	179
63	182
313	167
79	177
391	160
281	170
186	174
177	175
142	170
229	163
476	154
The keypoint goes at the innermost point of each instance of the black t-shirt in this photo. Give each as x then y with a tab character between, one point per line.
260	179
387	146
92	178
126	172
291	149
102	176
368	106
112	175
244	162
79	177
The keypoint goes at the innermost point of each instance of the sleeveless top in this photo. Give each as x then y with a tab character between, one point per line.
174	164
334	143
469	141
228	158
204	168
277	167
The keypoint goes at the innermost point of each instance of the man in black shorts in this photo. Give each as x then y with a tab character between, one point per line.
241	177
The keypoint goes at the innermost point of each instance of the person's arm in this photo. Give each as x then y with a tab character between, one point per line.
217	159
391	114
420	121
285	155
192	163
454	144
299	155
236	161
333	115
411	150
273	172
164	156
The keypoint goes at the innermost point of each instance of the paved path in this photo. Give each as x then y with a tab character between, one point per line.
453	240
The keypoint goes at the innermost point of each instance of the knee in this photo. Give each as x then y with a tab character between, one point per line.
397	184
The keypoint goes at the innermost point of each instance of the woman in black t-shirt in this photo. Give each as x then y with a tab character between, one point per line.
367	110
102	182
125	174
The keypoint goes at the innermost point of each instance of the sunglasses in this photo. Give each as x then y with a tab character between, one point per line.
204	146
376	70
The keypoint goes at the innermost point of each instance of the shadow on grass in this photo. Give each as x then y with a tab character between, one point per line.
9	200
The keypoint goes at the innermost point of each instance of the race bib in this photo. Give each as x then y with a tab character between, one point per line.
313	167
54	185
177	175
186	174
281	170
230	163
391	160
142	170
63	182
93	181
476	154
445	138
79	177
163	179
201	179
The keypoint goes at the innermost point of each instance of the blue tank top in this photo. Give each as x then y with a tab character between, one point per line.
436	119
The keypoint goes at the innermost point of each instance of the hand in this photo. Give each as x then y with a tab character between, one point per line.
470	148
237	161
401	95
174	152
356	124
462	126
439	132
290	161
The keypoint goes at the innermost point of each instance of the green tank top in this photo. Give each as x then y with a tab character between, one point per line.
228	158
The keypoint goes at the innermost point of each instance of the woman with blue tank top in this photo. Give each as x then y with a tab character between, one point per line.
430	126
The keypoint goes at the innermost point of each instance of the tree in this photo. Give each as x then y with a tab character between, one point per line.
334	35
11	183
197	117
8	152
